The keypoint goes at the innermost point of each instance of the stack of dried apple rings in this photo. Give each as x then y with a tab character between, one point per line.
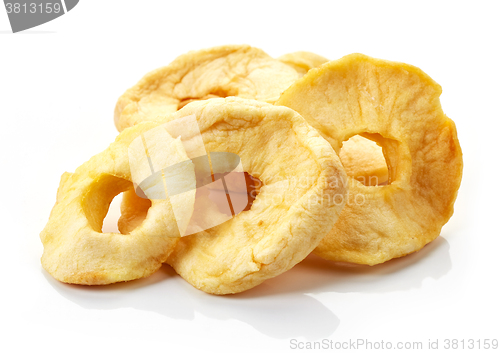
194	128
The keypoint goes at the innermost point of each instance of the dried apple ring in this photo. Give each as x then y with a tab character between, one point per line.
230	70
76	250
397	105
303	191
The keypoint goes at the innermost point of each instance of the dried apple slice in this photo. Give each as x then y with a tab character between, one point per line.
75	248
397	105
230	70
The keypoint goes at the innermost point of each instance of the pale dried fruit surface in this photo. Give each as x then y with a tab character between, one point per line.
364	161
303	61
361	159
230	70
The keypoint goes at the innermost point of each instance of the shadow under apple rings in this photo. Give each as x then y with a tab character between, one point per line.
165	293
280	307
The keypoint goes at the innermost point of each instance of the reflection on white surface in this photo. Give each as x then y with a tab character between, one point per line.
282	307
316	275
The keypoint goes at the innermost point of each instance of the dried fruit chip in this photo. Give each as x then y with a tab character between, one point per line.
397	105
76	250
231	70
303	191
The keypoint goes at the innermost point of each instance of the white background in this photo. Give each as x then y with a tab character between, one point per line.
58	86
